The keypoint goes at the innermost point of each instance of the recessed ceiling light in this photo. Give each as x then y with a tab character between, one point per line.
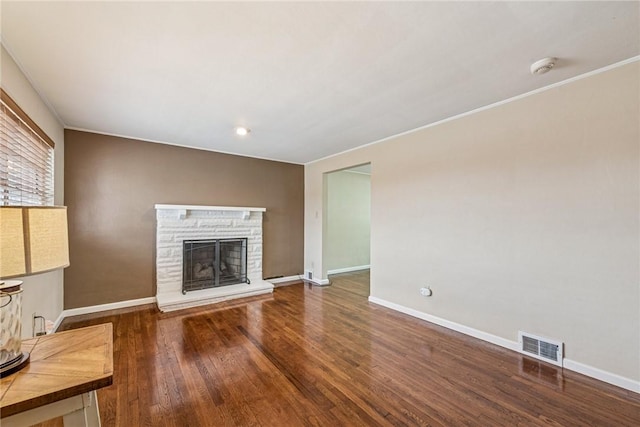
544	65
242	131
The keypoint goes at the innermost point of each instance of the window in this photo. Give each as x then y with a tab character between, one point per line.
26	158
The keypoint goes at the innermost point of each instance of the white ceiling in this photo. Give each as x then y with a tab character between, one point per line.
309	79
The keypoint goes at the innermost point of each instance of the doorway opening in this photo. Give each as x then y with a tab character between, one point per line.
347	225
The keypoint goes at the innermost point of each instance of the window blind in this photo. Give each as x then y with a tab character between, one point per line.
26	160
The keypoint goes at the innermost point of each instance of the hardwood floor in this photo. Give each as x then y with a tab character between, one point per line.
325	356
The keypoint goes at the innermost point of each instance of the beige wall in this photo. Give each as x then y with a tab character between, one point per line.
520	217
43	293
112	185
348	220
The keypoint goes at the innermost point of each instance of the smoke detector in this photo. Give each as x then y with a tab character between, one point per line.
544	65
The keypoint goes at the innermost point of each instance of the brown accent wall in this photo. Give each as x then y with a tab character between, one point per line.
112	185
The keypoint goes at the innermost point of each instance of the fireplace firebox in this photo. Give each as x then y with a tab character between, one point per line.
214	263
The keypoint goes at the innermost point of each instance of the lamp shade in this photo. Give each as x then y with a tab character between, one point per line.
33	240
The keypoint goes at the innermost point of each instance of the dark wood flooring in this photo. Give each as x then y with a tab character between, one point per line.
325	356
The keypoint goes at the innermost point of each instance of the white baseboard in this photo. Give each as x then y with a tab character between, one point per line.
277	280
318	282
348	269
601	375
105	307
58	321
569	364
484	336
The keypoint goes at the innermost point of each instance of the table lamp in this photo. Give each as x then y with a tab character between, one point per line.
33	239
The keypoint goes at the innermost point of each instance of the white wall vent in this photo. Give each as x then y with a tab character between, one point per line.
308	275
541	348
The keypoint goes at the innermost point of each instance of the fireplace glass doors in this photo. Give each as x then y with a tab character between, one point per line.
213	263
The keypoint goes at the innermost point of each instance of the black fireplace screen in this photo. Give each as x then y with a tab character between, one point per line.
213	263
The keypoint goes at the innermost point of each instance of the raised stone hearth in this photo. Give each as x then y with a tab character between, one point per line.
177	223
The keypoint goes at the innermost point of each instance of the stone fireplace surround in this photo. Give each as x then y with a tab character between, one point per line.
176	223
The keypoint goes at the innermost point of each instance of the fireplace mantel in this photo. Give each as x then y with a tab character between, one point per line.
182	210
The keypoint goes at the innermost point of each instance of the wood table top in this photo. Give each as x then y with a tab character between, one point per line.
62	365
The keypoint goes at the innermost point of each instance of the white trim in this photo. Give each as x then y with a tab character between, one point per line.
484	336
318	282
589	371
348	269
599	374
352	171
285	279
98	308
105	307
209	208
486	107
58	321
173	144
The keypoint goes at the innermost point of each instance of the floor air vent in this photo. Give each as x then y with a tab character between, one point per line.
540	348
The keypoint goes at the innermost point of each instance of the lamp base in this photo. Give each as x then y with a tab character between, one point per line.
19	362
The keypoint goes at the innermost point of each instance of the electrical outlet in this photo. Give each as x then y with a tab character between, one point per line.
38	325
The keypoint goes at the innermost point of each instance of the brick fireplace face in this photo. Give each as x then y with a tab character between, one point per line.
173	229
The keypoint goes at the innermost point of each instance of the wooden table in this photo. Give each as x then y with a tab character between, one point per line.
65	371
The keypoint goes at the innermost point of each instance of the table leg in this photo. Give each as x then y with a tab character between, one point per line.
86	416
93	412
77	411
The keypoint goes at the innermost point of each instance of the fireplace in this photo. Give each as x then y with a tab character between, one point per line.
211	263
207	254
